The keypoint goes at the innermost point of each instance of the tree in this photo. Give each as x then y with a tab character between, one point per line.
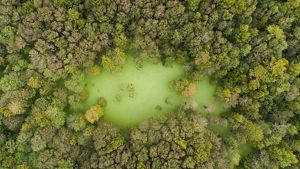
11	82
283	156
7	34
186	88
244	35
76	122
114	61
252	131
278	67
193	4
276	31
93	114
73	14
56	116
66	3
27	7
75	82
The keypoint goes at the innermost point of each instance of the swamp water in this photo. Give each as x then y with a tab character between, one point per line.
134	95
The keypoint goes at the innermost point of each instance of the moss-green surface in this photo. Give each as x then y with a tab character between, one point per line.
134	95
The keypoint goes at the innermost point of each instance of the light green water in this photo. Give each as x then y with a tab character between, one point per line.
134	95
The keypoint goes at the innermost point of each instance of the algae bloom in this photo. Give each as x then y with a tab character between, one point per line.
135	94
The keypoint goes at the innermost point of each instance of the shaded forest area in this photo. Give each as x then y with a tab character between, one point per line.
249	48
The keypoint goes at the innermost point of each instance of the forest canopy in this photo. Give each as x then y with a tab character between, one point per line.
248	49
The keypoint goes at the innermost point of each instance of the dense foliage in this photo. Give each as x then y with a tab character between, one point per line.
249	48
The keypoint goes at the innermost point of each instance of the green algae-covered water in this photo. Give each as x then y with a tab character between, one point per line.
134	95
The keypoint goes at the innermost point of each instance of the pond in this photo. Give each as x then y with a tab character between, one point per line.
136	94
